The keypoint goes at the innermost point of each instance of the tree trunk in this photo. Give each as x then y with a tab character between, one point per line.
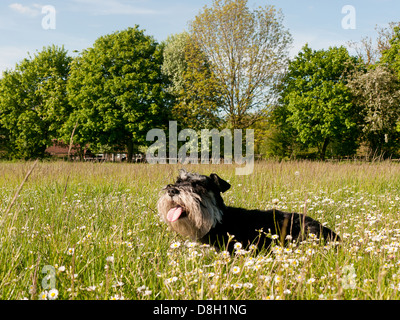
324	146
129	146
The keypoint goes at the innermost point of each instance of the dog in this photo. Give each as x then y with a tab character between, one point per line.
194	208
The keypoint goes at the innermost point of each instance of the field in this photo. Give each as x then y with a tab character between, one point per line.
91	231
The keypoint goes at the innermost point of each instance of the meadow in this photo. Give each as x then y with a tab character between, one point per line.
91	231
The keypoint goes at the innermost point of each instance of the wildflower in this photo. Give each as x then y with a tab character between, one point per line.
129	244
118	284
312	236
275	201
299	278
117	297
287	291
170	280
175	245
225	254
147	292
293	262
237	285
249	263
309	252
241	252
210	274
287	250
237	246
275	236
252	247
43	295
61	269
235	269
194	253
110	259
277	250
257	267
191	244
265	278
142	288
70	251
311	281
248	285
53	294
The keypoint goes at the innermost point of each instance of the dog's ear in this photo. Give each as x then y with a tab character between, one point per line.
182	174
220	183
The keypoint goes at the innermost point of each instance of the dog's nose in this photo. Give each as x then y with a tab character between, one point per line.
172	192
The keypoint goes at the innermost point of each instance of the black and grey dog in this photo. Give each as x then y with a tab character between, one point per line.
193	207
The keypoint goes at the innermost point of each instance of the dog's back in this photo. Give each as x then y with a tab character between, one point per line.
257	227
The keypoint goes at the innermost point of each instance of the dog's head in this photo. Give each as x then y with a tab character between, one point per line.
193	204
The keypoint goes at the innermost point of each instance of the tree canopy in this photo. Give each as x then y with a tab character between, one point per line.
230	70
316	100
193	86
33	102
247	52
116	90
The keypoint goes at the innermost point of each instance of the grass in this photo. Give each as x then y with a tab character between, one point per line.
92	232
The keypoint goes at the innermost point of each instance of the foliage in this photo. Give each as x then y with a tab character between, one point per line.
316	101
116	89
391	55
377	93
33	102
193	86
247	51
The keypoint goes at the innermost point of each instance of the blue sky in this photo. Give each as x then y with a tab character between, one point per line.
78	23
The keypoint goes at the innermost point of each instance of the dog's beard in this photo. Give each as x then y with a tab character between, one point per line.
188	213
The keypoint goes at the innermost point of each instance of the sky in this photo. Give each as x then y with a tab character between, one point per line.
28	26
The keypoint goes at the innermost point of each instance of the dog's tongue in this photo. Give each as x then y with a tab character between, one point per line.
174	214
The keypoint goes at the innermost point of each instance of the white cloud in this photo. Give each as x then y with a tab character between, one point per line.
31	11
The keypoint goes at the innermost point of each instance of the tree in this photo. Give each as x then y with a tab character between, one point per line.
192	84
317	103
391	54
376	89
116	89
247	53
377	93
33	102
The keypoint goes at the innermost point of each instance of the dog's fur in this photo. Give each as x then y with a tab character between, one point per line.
193	207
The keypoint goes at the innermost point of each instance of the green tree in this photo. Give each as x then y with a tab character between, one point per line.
391	54
33	102
377	93
247	52
192	84
316	102
116	89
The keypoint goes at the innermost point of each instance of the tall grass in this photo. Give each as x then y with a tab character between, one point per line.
96	225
